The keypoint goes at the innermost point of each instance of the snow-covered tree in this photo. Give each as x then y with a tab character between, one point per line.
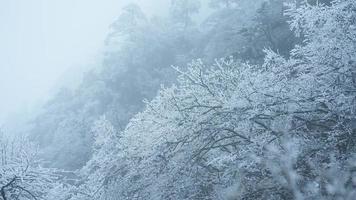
138	56
21	175
102	168
228	130
240	131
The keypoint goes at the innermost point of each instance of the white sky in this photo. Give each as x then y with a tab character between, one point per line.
42	39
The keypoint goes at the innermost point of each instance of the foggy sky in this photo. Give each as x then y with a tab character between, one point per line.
40	40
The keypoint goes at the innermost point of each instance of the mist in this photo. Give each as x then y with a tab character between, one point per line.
43	40
177	99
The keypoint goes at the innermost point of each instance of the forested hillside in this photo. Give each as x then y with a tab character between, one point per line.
138	59
256	101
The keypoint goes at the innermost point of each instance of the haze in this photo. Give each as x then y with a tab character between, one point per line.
259	103
41	40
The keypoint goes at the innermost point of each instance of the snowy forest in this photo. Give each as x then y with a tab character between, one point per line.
216	100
